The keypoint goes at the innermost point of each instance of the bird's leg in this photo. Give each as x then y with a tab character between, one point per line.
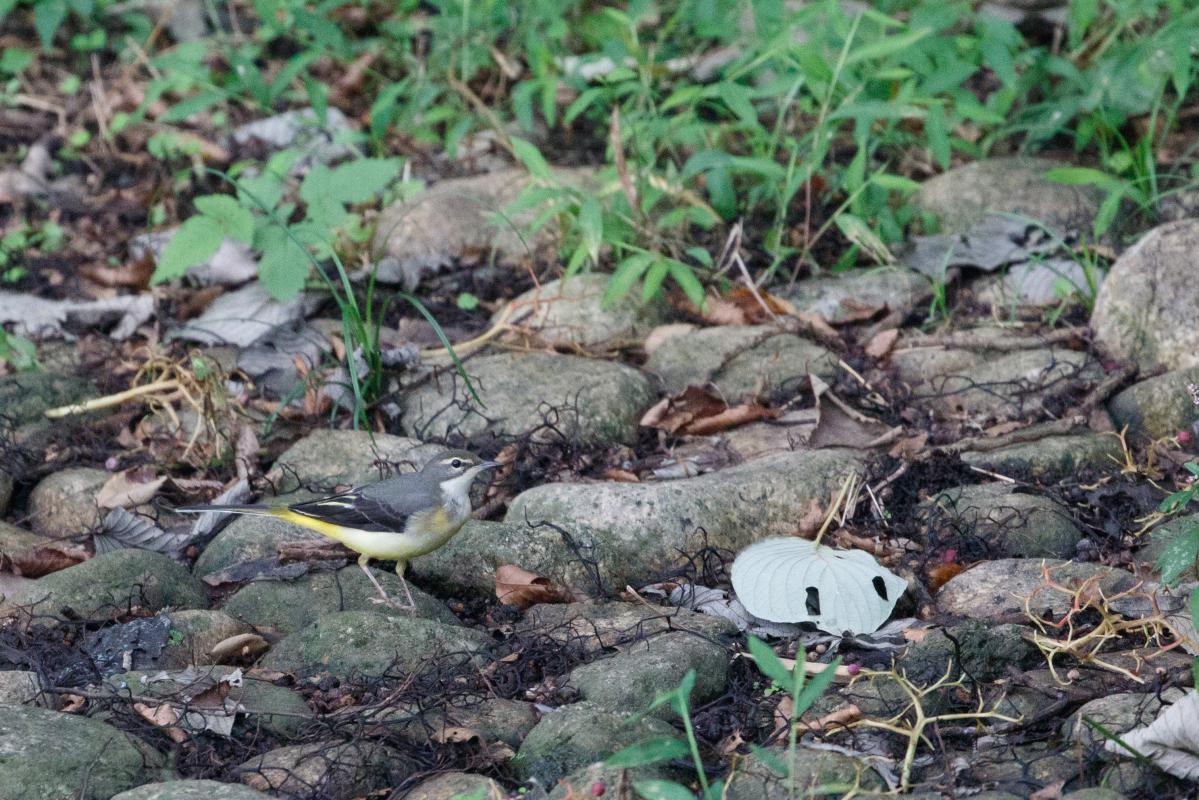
407	592
363	562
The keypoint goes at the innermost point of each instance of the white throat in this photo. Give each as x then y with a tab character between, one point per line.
457	492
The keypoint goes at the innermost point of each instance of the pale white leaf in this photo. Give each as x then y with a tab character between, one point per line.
794	580
1171	741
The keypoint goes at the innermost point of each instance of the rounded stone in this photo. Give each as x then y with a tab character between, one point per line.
49	755
276	708
287	606
811	768
194	632
19	687
494	720
1119	713
570	312
1051	458
1005	523
191	790
861	294
998	590
631	679
327	769
742	361
25	396
326	458
983	651
961	197
1158	407
590	401
456	786
1147	311
63	504
369	643
632	530
111	584
573	736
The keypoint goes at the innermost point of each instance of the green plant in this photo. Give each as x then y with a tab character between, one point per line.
795	682
17	351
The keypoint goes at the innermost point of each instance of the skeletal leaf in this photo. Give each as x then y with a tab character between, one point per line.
794	580
125	530
1171	741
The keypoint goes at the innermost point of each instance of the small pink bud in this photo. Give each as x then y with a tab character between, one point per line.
598	789
1185	438
949	556
111	463
853	669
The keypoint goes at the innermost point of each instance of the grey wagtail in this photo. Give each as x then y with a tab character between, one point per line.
396	519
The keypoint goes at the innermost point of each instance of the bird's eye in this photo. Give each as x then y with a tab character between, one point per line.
456	463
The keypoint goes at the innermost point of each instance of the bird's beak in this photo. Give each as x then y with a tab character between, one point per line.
489	465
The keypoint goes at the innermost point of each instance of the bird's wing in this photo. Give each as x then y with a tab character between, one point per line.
383	506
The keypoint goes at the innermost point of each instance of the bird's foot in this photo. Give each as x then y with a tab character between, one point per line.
387	601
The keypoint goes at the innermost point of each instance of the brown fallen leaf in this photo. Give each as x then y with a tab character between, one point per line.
132	487
940	574
72	703
915	634
42	561
622	475
881	343
163	716
515	586
699	411
839	717
1052	791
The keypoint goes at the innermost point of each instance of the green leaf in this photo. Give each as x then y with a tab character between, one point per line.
1179	554
528	154
1088	176
663	790
736	97
47	18
815	686
191	106
626	276
284	265
1108	209
650	751
685	277
1192	467
194	243
886	46
352	182
467	301
769	759
653	280
235	220
591	225
937	130
768	663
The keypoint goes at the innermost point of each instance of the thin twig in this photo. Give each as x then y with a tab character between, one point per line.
112	399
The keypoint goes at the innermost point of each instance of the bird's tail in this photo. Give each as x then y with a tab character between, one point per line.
255	511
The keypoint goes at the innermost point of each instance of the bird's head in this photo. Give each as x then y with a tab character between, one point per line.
454	470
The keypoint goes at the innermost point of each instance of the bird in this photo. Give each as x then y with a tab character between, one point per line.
395	519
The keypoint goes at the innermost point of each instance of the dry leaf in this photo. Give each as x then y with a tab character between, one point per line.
699	411
940	574
454	733
163	716
243	645
42	561
812	519
914	634
519	587
882	343
72	703
840	717
1052	791
621	475
130	488
910	447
